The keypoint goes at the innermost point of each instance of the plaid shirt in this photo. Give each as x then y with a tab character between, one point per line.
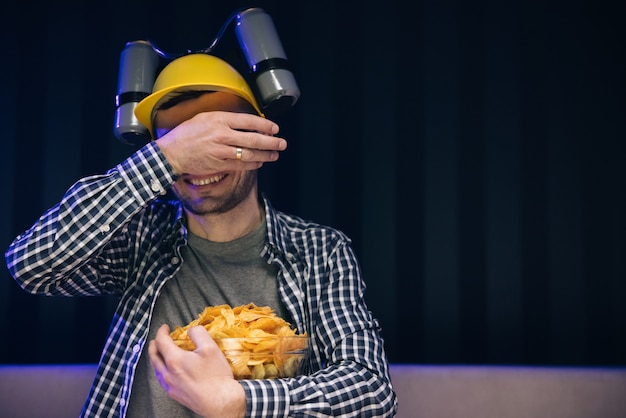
116	234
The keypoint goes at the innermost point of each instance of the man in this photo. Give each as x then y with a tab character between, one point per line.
217	242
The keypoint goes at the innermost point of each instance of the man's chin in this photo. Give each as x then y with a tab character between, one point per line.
205	207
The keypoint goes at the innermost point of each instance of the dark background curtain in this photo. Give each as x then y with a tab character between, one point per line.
474	151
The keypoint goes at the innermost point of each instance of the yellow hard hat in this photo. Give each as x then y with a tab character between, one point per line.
194	72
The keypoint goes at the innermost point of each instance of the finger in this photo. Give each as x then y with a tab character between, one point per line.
254	156
259	141
163	331
158	365
156	358
201	338
164	344
250	122
208	348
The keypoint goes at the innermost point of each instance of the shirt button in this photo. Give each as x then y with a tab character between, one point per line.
175	260
154	185
136	348
105	228
122	401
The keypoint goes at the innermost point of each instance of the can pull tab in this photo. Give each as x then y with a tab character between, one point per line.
275	83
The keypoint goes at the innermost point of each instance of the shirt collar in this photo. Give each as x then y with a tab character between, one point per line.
275	238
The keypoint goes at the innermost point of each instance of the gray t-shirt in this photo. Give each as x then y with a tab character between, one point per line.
213	273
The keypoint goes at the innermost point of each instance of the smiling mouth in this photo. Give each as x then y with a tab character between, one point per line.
205	181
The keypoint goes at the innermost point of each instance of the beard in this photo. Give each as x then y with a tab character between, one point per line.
214	206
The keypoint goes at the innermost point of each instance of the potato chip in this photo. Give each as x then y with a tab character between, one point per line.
257	343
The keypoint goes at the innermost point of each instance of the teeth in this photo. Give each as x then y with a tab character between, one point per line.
203	182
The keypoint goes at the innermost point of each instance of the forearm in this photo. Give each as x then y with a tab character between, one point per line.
86	219
346	390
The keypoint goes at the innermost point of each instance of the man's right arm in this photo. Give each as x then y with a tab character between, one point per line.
65	238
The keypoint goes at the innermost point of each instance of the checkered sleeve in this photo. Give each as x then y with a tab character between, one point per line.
54	255
338	391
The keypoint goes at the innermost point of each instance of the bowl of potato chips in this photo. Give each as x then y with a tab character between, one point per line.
257	343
